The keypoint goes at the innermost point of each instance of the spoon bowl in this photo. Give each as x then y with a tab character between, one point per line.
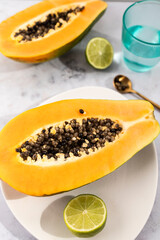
124	85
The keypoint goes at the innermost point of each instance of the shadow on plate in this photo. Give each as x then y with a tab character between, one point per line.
10	193
52	218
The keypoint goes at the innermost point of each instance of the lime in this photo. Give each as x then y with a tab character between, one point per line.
85	215
99	53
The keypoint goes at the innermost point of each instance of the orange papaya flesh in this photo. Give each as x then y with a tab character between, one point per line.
62	34
45	176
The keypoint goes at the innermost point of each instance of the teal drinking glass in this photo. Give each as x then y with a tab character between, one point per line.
141	35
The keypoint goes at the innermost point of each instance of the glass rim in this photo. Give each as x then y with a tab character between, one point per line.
124	25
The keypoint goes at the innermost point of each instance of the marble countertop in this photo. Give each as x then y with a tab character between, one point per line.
24	86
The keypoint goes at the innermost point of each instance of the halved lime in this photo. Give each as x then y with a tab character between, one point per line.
99	53
85	215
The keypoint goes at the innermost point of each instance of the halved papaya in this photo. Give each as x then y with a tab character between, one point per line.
48	29
64	145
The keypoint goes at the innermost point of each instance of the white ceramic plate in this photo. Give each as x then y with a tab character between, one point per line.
129	192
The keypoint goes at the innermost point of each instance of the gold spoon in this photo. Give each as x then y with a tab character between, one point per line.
123	84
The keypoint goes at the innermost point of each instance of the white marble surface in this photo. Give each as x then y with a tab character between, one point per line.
23	86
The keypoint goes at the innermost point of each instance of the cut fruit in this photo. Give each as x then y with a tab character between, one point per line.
67	144
85	215
99	53
48	29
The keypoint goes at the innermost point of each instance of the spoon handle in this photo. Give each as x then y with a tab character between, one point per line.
142	96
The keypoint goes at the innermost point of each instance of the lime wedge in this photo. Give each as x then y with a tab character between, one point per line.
85	215
99	53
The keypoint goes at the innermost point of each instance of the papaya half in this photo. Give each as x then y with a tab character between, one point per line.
48	29
67	144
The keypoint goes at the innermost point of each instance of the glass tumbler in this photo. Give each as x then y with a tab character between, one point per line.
141	35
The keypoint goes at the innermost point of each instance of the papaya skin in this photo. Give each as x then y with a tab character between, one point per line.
140	129
54	45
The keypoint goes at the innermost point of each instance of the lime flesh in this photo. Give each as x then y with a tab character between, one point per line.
99	53
85	215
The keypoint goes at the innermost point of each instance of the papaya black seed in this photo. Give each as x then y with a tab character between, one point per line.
40	28
91	133
81	111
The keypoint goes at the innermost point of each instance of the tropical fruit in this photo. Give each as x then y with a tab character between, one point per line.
67	144
48	29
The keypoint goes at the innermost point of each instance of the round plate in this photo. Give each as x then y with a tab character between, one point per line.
129	192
